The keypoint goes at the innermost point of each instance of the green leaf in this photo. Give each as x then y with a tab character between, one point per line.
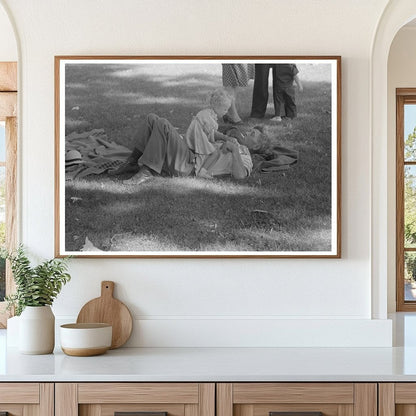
35	286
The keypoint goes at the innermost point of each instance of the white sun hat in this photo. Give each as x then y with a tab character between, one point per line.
73	157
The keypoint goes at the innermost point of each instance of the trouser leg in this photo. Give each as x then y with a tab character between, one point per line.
162	147
141	137
278	100
278	95
153	142
290	102
260	90
144	132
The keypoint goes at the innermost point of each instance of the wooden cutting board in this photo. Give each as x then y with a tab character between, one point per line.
108	310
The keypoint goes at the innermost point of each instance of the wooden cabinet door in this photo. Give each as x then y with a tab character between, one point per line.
107	399
27	399
297	399
397	399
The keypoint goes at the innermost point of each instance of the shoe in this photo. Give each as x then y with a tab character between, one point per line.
125	167
142	176
276	119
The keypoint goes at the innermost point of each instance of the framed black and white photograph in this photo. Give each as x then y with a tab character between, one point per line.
198	156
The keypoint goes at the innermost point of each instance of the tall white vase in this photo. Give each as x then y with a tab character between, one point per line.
37	330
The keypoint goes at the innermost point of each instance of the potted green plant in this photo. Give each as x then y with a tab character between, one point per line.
36	289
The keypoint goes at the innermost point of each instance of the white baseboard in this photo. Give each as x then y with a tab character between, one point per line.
190	332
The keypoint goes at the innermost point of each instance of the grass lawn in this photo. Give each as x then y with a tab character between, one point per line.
282	211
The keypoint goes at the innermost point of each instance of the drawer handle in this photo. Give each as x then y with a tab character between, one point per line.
139	414
295	414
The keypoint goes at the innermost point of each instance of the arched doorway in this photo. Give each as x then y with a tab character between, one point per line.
395	16
401	97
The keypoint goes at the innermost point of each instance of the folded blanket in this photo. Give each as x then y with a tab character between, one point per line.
98	153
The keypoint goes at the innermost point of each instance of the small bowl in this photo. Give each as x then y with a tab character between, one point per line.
84	340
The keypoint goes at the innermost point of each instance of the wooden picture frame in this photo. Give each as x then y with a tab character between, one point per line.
279	197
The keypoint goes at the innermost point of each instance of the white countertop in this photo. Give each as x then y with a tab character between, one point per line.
215	364
221	364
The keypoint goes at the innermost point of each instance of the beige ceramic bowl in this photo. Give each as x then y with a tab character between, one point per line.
83	340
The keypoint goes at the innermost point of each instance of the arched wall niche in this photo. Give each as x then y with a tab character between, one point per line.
397	14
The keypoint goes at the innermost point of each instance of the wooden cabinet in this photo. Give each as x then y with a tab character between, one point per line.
105	399
262	399
208	399
397	399
27	399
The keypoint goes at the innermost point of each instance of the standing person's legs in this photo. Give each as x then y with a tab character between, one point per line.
290	101
260	90
234	77
278	97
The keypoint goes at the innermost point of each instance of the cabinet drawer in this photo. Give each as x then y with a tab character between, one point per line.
140	409
21	399
138	393
293	393
19	393
309	399
107	399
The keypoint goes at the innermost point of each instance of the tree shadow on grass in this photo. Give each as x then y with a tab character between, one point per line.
95	83
189	214
118	105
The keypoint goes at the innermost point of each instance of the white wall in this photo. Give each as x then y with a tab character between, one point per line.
8	46
401	74
198	302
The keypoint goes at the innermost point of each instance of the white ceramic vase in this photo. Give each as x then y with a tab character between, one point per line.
37	330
